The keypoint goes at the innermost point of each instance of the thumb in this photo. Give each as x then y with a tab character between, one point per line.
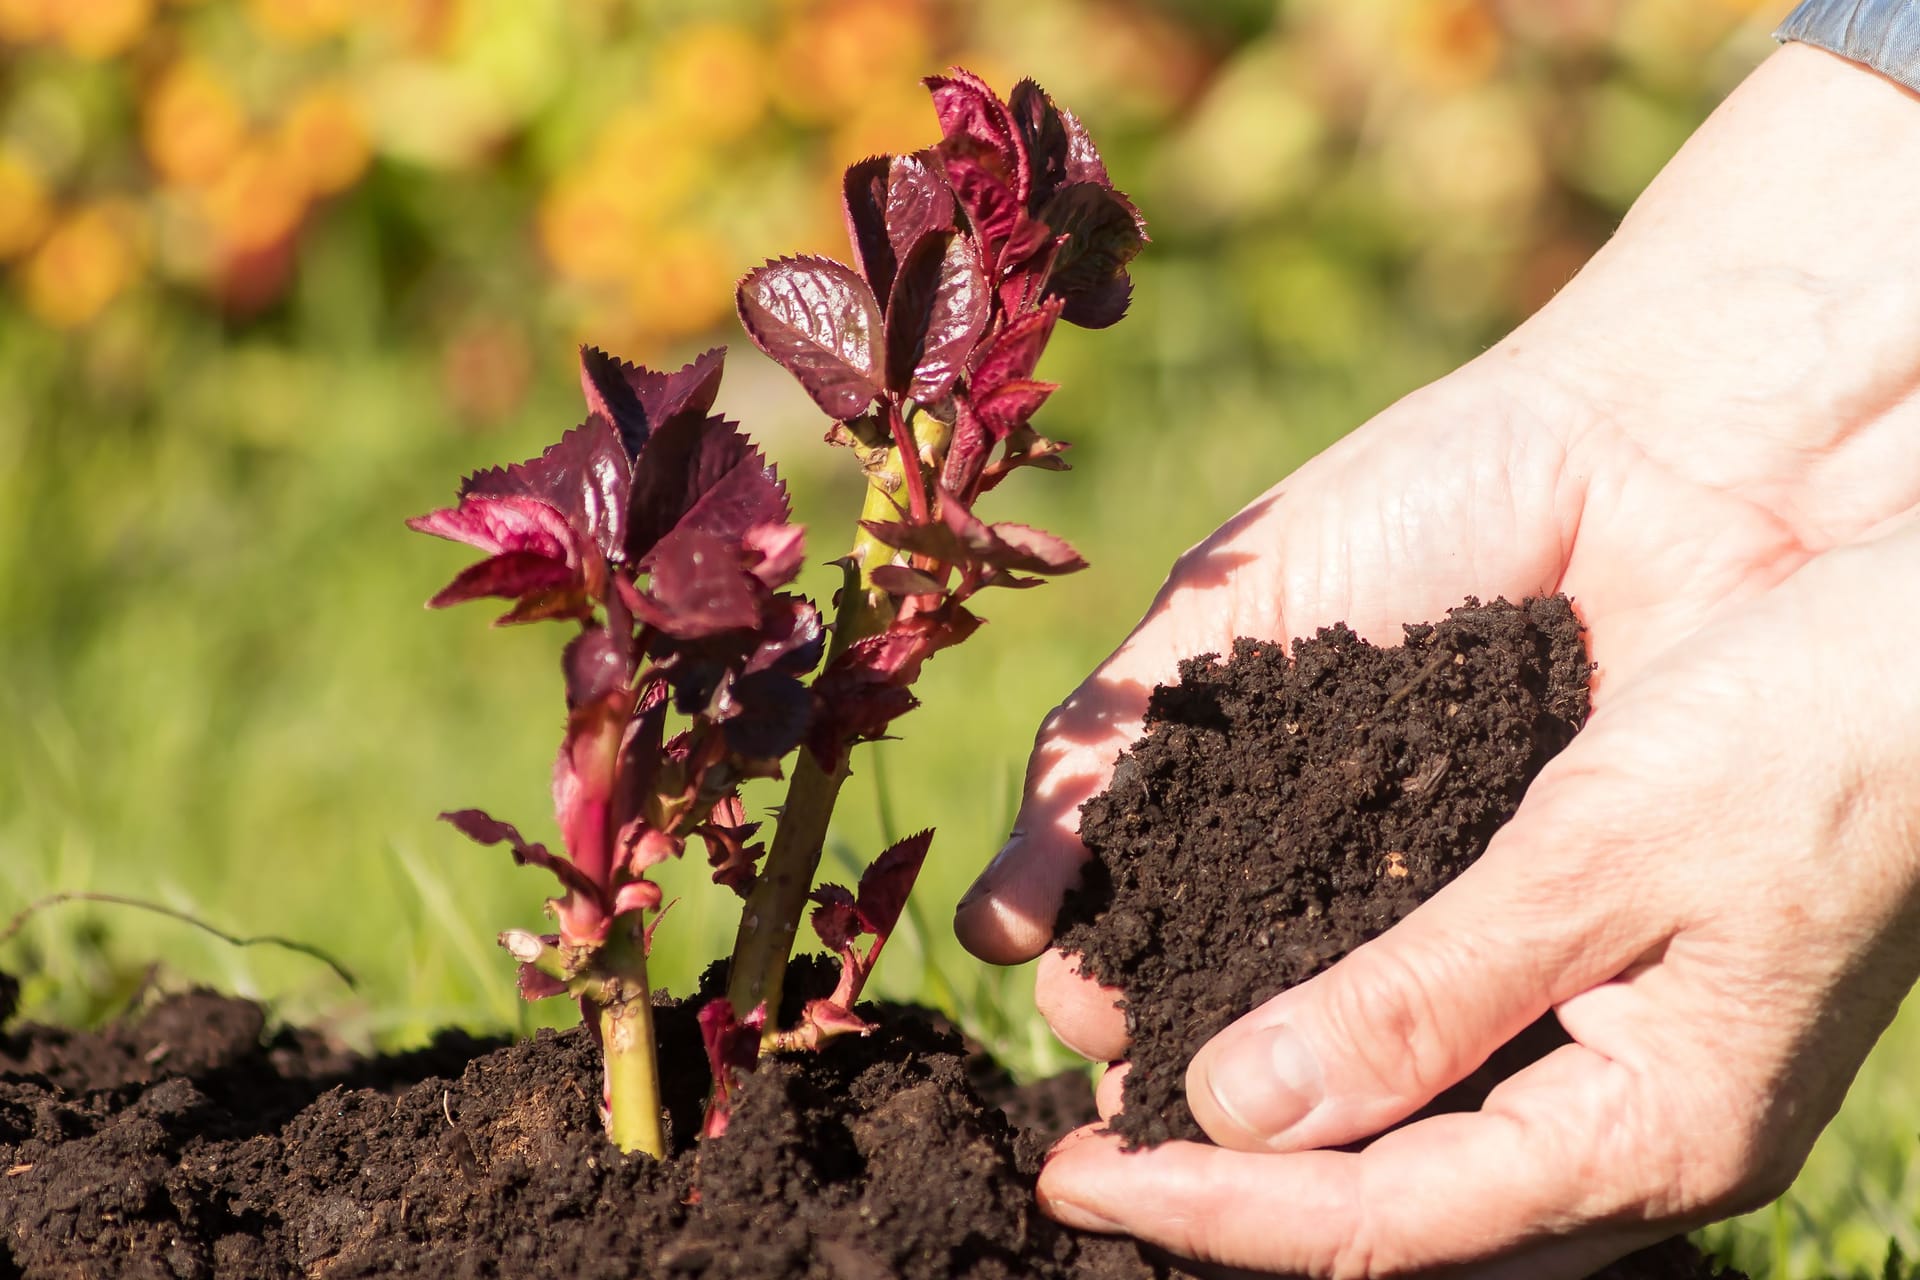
1359	1048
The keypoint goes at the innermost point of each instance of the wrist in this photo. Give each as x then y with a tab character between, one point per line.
1755	322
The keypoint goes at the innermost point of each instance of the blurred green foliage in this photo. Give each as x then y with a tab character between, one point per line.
280	270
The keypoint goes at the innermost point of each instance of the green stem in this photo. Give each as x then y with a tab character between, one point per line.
626	1039
771	917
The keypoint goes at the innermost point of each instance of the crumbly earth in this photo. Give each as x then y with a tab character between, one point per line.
189	1143
1283	809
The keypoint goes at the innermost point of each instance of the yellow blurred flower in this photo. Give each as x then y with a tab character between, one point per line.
834	53
24	212
82	265
257	201
100	29
25	21
192	123
711	78
682	283
301	21
1447	45
324	138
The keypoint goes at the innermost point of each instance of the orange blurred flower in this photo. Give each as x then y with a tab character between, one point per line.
711	78
589	225
82	265
834	53
257	201
100	29
325	139
682	284
25	21
1449	44
193	124
301	21
24	212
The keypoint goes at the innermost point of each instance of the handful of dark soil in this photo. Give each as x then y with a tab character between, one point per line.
1281	811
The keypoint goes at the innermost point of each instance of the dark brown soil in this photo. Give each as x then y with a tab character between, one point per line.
1279	813
187	1144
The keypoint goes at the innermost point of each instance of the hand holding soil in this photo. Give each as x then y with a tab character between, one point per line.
1707	442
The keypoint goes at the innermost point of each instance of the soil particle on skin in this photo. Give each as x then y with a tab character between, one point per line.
1282	809
234	1154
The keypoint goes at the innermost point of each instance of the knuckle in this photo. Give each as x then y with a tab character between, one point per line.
1382	1017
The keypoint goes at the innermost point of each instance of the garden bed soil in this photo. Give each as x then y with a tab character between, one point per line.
190	1143
1283	809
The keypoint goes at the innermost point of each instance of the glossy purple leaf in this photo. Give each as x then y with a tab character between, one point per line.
535	985
733	1046
825	1019
835	919
705	475
696	587
1014	353
902	580
984	189
919	202
885	884
820	321
937	312
501	524
482	828
1044	135
1103	232
891	202
1010	406
968	108
764	714
727	835
1036	550
864	190
781	550
595	666
584	477
852	705
636	895
1083	158
1101	307
638	401
791	637
968	451
957	536
641	753
513	575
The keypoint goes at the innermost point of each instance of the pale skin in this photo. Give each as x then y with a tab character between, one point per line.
1710	439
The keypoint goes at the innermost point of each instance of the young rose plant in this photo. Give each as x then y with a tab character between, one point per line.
659	531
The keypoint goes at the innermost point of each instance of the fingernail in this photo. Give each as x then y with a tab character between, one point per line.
1266	1081
983	883
1079	1216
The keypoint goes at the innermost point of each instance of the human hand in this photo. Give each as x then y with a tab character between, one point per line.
1765	423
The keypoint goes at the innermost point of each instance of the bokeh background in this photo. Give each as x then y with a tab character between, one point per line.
273	273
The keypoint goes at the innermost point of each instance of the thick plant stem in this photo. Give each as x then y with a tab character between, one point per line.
771	917
632	1090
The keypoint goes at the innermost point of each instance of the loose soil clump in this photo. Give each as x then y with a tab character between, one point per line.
1281	810
188	1143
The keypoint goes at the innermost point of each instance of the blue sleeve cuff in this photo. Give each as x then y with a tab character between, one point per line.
1882	34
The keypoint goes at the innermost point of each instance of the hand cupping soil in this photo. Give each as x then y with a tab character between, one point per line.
1281	810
